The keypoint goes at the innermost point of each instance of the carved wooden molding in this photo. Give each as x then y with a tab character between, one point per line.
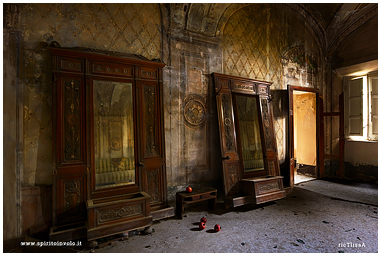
231	178
266	124
72	123
105	68
11	16
150	118
153	185
268	187
55	44
72	196
243	86
272	169
109	215
228	122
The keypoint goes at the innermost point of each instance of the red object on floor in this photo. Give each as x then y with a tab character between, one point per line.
217	228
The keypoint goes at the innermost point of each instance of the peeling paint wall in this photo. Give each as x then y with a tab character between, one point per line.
271	43
127	28
359	48
28	30
191	127
264	41
11	136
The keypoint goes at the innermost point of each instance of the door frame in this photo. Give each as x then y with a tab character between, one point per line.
340	172
290	90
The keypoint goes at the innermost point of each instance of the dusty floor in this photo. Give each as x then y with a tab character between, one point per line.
317	216
298	178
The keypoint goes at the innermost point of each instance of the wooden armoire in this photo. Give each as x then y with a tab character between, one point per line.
251	171
109	172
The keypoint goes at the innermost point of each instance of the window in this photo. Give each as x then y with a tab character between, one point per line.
373	107
361	107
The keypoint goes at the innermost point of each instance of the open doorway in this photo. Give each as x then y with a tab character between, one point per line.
305	152
303	135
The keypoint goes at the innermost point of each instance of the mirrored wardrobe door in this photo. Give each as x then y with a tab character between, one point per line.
249	134
114	142
250	166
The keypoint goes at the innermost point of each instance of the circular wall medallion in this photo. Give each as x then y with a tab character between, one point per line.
194	110
115	143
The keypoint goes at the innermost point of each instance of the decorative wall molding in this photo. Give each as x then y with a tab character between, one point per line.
194	110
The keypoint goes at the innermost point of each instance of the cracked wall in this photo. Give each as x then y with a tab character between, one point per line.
258	41
127	28
269	43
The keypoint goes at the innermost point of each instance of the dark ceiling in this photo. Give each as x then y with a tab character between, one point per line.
324	12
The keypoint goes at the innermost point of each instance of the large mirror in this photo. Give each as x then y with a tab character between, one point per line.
251	172
113	134
249	133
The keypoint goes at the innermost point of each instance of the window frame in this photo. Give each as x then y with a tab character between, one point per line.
371	135
366	107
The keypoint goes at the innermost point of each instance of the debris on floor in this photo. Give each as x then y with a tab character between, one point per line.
328	222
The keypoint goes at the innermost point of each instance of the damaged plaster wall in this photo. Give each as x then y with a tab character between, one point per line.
266	42
192	139
12	125
127	28
250	40
358	49
271	42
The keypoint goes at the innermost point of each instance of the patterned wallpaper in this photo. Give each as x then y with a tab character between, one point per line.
127	28
256	43
255	39
249	50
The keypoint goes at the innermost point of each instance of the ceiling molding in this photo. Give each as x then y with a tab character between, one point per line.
352	23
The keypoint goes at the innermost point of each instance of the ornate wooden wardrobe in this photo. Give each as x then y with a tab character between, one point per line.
250	162
109	171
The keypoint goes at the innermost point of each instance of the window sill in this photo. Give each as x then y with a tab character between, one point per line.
360	140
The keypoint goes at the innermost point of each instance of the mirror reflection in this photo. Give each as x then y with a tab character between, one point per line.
113	134
249	133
